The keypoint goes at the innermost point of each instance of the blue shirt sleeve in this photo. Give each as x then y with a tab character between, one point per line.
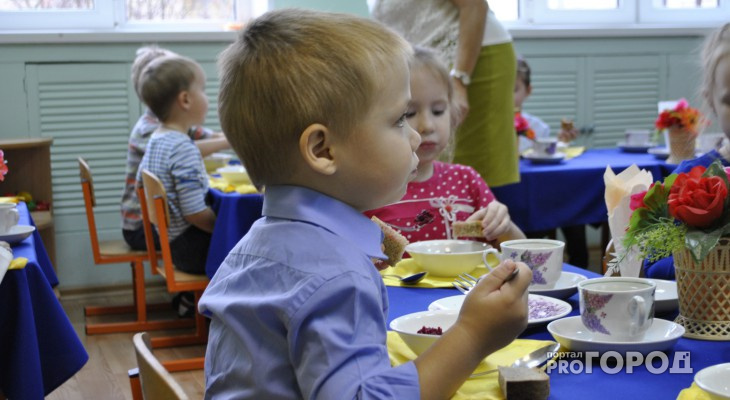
337	347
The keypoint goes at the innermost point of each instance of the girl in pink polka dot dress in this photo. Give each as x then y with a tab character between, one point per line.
442	192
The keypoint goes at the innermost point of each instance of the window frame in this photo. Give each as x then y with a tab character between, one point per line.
541	14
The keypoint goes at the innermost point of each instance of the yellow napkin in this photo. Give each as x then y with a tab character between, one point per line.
693	393
482	387
408	266
223	185
9	199
572	152
18	263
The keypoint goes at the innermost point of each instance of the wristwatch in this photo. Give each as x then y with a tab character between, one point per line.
462	76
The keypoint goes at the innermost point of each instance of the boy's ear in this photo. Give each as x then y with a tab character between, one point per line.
314	146
183	98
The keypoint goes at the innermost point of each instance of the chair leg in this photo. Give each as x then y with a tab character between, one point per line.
188	364
135	384
140	307
199	337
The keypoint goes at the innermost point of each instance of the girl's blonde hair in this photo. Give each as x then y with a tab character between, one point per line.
162	81
716	47
143	57
424	57
292	68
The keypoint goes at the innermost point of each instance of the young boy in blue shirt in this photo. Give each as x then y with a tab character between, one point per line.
315	104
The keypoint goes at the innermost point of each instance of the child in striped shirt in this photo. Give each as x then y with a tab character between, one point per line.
173	87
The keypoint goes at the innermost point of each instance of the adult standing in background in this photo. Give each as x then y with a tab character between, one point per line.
479	51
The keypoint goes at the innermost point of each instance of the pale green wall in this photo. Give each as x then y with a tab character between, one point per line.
358	7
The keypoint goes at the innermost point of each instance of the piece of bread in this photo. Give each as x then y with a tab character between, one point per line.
467	229
393	242
521	383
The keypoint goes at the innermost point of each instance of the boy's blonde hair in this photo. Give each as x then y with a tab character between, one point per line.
292	68
424	57
162	81
143	57
716	47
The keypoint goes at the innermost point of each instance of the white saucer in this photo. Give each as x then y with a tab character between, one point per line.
635	148
564	287
556	308
665	297
556	158
714	380
571	334
661	153
17	233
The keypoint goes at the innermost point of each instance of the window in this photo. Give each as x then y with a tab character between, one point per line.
128	14
548	12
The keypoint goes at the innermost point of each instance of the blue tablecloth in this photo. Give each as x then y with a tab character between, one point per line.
572	192
640	384
235	214
39	349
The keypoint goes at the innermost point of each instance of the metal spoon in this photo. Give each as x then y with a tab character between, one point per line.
532	360
410	279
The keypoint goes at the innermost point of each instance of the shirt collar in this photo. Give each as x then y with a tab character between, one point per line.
303	204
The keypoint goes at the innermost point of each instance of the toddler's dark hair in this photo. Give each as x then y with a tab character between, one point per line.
523	71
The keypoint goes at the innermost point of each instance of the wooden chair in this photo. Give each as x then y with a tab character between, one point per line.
150	380
113	252
155	212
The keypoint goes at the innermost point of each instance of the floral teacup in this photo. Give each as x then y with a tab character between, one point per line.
617	309
543	256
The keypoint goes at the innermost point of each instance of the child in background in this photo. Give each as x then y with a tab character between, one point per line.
523	89
441	193
173	87
298	310
206	140
716	95
576	245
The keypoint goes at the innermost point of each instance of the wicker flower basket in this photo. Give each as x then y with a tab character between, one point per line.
704	293
681	145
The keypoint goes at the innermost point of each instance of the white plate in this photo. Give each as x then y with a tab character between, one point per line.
556	158
665	297
635	148
571	334
555	308
17	233
715	380
564	287
661	153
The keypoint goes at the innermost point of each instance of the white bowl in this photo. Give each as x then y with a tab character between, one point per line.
234	175
407	325
447	257
715	380
215	161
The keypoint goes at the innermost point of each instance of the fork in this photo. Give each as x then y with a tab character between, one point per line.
465	282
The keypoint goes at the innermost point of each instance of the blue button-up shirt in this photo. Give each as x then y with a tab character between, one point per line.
299	311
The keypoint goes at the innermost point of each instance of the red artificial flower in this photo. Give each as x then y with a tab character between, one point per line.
3	166
523	127
696	200
637	200
682	116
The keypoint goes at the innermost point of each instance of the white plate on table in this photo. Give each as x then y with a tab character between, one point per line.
660	153
556	158
17	233
564	287
542	308
714	380
573	335
635	148
665	297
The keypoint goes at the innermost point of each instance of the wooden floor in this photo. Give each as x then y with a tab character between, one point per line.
111	355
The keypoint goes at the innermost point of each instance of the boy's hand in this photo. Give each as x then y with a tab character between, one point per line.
495	312
495	220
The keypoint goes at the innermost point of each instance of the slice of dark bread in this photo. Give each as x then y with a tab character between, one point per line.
393	242
467	229
520	383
